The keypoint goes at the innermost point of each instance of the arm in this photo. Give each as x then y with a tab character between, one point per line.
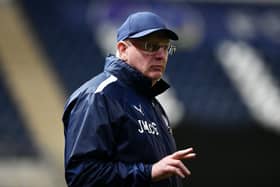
89	148
95	172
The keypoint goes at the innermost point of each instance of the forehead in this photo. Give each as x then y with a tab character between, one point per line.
159	36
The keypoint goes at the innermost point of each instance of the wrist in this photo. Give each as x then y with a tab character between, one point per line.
148	171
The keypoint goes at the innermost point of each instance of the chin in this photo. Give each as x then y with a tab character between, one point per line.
155	76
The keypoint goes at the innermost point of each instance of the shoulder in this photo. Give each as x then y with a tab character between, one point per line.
104	84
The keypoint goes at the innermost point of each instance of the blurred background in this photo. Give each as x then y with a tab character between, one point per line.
224	100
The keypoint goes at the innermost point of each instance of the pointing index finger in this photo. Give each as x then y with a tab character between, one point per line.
185	153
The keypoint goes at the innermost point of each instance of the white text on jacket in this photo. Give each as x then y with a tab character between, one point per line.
145	126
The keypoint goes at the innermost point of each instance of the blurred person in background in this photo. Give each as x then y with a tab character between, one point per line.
116	132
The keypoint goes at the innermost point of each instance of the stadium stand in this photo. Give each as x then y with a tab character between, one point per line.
74	54
15	140
31	141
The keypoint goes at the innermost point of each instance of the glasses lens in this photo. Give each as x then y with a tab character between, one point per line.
153	47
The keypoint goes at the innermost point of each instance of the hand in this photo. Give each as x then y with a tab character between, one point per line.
172	165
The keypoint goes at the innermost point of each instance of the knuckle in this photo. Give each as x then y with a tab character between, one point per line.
177	162
171	169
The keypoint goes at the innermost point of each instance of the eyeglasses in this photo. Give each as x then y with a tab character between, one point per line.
152	47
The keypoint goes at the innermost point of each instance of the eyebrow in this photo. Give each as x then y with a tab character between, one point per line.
153	40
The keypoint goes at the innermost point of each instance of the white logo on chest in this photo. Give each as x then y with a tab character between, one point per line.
139	109
150	128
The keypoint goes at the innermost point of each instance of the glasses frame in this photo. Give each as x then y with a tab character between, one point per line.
151	47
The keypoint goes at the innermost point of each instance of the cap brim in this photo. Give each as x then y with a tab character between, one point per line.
170	34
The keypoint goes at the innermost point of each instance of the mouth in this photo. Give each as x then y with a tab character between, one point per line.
157	67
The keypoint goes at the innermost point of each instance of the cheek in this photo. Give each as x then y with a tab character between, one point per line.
137	61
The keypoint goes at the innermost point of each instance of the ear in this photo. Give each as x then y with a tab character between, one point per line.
122	49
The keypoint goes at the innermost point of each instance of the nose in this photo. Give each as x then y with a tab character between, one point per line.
161	52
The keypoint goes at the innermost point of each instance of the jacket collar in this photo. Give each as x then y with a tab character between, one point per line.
133	78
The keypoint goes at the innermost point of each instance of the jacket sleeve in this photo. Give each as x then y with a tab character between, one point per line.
89	147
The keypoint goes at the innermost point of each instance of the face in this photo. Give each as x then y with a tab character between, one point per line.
147	54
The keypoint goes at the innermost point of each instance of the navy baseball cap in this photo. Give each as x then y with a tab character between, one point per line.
141	24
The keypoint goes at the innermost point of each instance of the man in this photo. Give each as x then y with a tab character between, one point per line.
116	132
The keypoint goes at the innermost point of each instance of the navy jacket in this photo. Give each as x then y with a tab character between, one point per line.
115	130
